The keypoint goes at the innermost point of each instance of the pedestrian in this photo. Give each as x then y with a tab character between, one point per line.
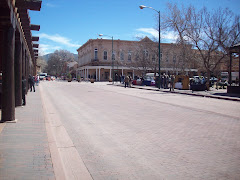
172	82
126	80
23	91
130	81
167	81
38	79
164	81
161	81
35	80
120	79
31	83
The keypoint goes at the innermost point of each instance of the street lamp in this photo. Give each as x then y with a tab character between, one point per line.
159	41
112	57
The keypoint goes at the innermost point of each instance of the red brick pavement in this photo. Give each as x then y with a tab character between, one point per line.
24	150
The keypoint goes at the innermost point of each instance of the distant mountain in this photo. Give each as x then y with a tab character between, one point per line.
46	56
76	56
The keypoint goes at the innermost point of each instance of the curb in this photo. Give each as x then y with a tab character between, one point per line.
185	93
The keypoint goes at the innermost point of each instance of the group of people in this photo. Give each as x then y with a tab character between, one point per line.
32	80
165	81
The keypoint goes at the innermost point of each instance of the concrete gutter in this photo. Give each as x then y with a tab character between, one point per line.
66	160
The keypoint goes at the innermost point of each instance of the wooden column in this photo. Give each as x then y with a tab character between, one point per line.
230	71
27	72
18	72
239	68
8	89
23	62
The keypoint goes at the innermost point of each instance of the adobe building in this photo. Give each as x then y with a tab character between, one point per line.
104	59
18	52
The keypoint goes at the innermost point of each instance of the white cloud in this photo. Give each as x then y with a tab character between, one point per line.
50	43
168	36
46	49
150	31
50	5
59	39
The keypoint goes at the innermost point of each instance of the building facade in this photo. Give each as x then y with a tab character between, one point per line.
18	52
104	59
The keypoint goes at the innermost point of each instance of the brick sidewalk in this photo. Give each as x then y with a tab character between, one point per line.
24	149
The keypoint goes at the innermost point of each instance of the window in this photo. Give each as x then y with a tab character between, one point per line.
146	53
129	55
137	56
167	57
105	55
122	56
113	55
96	54
174	58
153	58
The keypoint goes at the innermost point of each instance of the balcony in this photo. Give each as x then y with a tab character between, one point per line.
94	60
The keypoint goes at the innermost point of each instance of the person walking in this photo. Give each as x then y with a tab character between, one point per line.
130	81
172	79
164	81
31	83
120	79
126	80
23	91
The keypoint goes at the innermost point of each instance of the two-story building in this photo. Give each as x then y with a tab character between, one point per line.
102	59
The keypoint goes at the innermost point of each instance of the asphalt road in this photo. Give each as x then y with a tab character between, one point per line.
126	133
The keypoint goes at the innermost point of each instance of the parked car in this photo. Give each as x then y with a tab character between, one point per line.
137	82
213	79
52	78
149	79
149	82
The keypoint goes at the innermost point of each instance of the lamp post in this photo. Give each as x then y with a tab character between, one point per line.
159	41
112	57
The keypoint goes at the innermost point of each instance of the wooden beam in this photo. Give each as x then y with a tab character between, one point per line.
34	27
30	4
35	45
35	38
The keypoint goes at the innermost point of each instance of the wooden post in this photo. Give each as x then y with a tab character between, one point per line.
27	72
8	89
18	72
24	62
239	68
230	70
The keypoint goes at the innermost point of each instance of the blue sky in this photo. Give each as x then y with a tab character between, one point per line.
68	24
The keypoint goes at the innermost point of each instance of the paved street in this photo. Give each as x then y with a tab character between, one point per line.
126	133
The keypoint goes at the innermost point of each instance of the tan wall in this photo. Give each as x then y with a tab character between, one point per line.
86	52
171	57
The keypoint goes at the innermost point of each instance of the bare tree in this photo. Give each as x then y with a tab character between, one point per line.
211	33
146	55
65	55
41	62
176	20
56	62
